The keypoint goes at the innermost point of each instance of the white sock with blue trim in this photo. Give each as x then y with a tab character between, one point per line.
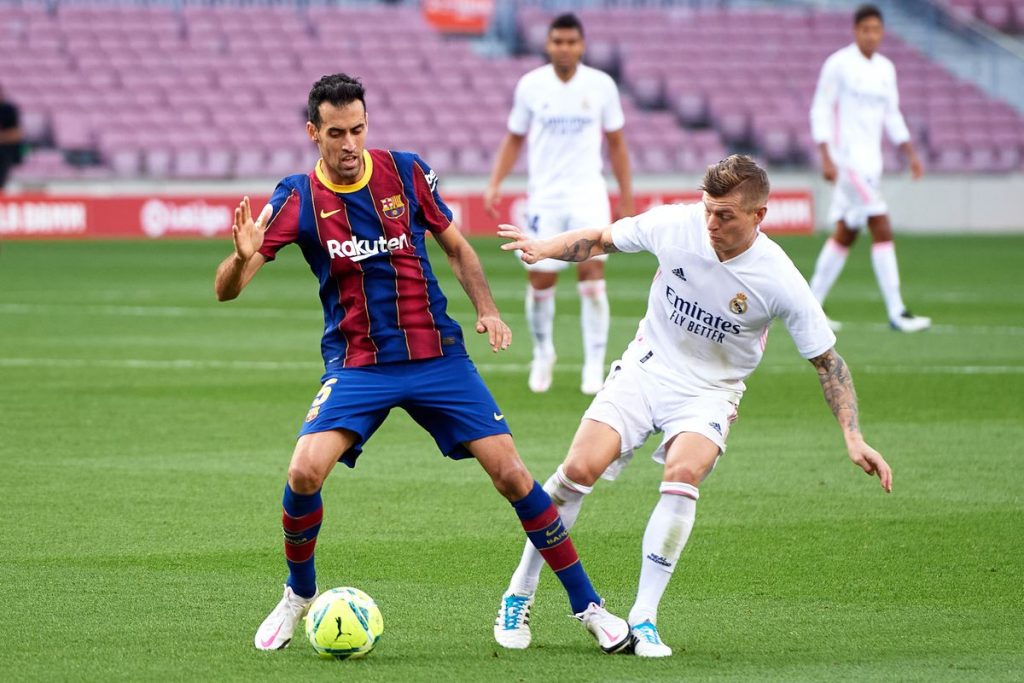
667	532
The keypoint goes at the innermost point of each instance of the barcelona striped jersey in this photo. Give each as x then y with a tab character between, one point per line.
365	243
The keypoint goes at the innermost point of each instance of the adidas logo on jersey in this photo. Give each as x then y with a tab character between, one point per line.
360	249
678	272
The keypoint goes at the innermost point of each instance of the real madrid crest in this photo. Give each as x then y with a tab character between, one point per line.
393	207
738	304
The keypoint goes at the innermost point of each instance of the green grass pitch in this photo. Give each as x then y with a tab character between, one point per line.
145	431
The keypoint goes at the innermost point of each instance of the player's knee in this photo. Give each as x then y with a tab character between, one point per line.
303	477
512	479
686	472
580	472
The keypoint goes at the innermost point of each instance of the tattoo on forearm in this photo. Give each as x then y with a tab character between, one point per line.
837	384
578	250
609	247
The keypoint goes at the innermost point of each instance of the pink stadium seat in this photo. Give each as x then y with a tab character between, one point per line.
250	163
996	13
135	98
474	160
157	162
125	162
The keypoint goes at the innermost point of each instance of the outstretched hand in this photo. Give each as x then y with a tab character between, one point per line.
499	335
872	462
248	234
530	248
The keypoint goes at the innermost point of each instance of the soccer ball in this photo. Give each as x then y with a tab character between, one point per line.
344	623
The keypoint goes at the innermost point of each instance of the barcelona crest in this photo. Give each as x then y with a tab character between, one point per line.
739	304
393	206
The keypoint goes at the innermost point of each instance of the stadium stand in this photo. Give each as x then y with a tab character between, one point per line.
217	91
1002	15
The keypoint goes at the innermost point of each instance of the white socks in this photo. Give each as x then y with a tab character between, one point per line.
594	321
667	532
883	258
567	496
540	318
827	268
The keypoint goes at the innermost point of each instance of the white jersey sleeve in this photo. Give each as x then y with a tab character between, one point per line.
520	117
612	118
800	312
648	231
826	95
895	126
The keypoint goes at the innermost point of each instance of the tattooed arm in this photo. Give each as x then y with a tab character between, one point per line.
837	385
575	245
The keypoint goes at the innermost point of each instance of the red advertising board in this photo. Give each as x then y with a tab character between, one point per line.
459	16
168	216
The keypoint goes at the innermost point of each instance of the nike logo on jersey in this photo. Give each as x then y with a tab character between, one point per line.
498	417
328	214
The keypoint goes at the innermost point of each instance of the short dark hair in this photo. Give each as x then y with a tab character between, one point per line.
338	89
568	20
737	172
867	12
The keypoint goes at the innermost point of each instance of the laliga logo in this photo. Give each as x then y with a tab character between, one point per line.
159	218
359	249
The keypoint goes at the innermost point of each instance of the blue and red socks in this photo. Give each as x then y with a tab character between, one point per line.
301	520
546	532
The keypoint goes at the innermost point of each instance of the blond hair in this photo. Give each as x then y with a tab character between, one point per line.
737	173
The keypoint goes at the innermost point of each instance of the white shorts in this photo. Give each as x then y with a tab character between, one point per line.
545	222
857	197
636	405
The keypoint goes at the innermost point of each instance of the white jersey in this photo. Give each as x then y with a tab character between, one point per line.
707	320
566	122
856	97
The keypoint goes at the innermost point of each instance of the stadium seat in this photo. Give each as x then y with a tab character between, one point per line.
95	78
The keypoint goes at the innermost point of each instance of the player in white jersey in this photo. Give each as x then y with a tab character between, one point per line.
566	108
720	284
855	99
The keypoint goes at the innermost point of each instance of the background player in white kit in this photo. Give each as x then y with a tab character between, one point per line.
855	99
719	286
565	106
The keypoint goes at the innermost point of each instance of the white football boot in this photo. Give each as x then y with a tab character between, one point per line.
541	370
512	627
276	630
908	322
647	642
611	632
592	379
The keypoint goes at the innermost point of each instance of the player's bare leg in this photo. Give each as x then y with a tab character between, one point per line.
511	627
830	263
594	322
883	259
689	460
540	318
314	457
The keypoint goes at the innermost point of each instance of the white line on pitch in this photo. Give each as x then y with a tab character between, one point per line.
194	364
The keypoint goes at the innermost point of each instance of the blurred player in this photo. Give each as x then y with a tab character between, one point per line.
565	107
719	286
855	99
361	218
10	138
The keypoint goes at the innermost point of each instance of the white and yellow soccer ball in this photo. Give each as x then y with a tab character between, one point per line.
344	623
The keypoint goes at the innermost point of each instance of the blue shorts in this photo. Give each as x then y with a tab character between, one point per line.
445	395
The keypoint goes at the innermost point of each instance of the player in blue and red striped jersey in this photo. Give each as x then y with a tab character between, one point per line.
361	218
